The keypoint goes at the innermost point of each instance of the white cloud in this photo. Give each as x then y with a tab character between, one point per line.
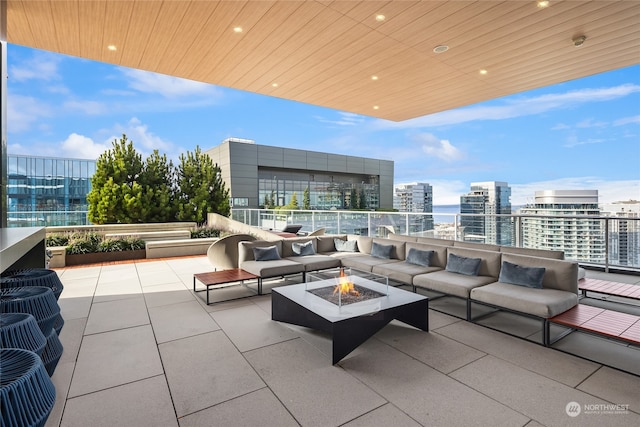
440	148
42	66
168	86
512	108
144	140
627	120
24	112
561	126
573	141
91	108
346	119
82	147
590	123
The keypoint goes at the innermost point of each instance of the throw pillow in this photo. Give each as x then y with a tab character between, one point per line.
418	257
381	251
302	249
346	245
515	274
267	253
463	265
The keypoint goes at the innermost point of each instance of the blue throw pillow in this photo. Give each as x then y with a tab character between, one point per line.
301	249
381	251
418	257
346	245
463	265
515	274
267	253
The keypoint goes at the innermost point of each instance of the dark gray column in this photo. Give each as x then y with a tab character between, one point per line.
3	112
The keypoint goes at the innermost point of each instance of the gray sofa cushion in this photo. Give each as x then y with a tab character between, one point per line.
491	261
542	253
530	277
451	283
439	258
268	253
401	271
379	250
544	303
419	257
316	261
463	265
365	263
326	244
398	247
558	274
346	245
245	249
288	245
302	249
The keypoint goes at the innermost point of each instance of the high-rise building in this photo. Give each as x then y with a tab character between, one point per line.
415	197
560	226
490	199
624	234
46	191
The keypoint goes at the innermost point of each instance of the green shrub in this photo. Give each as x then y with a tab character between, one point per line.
84	243
57	239
203	232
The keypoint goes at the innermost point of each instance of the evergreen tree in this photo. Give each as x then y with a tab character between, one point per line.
157	180
200	188
306	199
362	200
353	199
116	196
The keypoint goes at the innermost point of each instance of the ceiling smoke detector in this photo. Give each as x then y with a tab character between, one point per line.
579	41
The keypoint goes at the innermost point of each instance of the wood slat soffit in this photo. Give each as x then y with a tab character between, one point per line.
326	52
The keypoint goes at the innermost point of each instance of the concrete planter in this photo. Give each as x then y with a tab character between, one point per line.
99	257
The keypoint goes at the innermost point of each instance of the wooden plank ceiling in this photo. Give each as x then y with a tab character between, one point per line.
326	52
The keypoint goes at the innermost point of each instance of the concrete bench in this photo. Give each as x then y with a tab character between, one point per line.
178	247
152	236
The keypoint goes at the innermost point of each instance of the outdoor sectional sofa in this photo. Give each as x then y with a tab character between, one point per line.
487	285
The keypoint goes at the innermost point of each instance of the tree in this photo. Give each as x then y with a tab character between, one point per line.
157	180
353	199
293	203
362	200
306	199
200	188
116	196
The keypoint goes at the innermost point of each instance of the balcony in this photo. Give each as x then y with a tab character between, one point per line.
142	349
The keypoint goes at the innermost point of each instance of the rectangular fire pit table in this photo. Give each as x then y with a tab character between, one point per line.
349	325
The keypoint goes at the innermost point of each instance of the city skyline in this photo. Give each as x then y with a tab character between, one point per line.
582	134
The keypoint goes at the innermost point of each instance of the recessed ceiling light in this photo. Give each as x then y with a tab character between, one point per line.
375	107
112	47
374	77
237	29
380	17
543	3
440	48
483	72
274	84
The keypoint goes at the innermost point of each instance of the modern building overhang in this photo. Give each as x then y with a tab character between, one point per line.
374	58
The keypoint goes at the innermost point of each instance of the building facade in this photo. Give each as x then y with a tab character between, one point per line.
265	176
580	238
415	197
624	232
490	200
44	191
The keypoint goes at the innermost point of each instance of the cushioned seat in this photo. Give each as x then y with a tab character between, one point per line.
543	303
402	271
316	262
449	283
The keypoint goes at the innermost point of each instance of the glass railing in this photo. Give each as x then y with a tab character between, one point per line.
46	218
591	240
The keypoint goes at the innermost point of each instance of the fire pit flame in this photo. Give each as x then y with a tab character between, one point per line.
344	286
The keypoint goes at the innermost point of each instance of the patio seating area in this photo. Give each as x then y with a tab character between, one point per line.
142	349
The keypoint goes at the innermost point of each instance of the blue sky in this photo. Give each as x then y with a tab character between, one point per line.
583	134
